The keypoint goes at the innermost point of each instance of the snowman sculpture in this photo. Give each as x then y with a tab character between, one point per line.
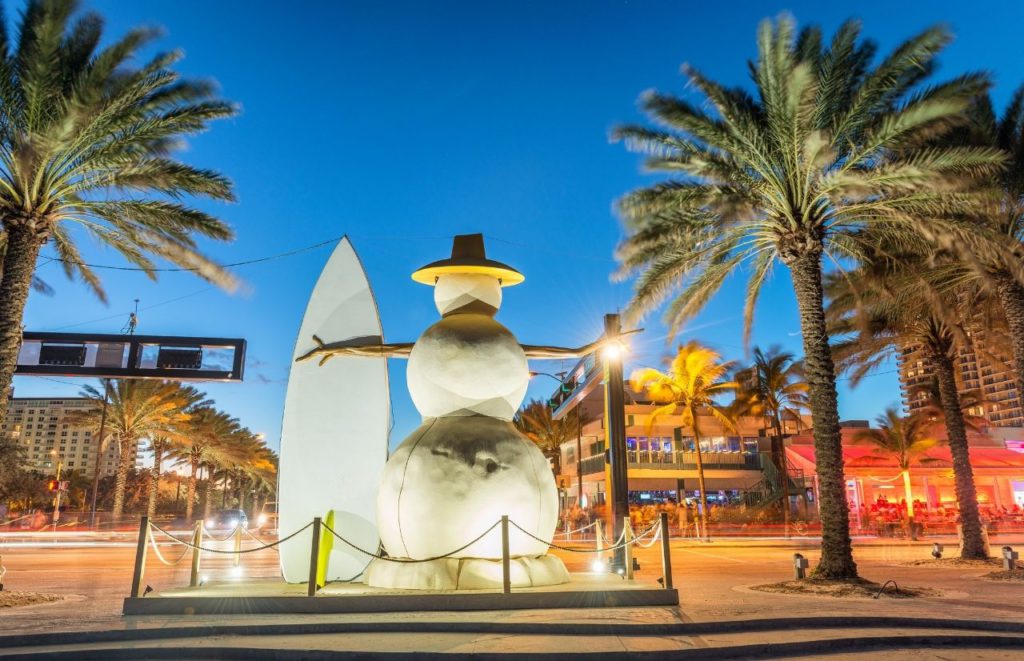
466	465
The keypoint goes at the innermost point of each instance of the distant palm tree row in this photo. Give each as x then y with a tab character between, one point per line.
838	161
180	425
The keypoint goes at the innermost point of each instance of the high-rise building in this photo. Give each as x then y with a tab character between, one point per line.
978	368
41	427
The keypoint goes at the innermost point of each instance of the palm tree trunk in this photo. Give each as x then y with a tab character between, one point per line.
208	500
779	452
1011	298
700	479
121	482
154	479
23	244
836	548
190	492
963	473
908	495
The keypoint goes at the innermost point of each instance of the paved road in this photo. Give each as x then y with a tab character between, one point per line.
713	580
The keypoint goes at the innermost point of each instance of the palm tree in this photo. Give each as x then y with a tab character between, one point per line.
773	387
998	273
138	409
86	141
884	308
204	445
535	422
929	400
38	284
830	143
159	444
695	378
905	440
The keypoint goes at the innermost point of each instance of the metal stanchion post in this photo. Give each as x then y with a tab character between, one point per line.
666	553
197	542
627	537
140	557
506	565
238	544
314	557
599	537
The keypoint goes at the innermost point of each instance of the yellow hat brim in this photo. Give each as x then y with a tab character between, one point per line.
428	275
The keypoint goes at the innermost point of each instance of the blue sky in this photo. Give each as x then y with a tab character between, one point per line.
404	123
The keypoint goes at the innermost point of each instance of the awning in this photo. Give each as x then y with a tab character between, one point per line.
867	457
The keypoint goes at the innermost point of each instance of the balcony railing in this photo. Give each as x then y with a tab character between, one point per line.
678	461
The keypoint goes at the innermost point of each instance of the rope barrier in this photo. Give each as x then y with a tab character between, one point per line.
654	539
255	538
159	555
232	552
206	531
618	540
578	550
566	533
412	560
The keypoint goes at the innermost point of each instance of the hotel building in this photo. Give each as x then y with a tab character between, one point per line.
42	429
977	368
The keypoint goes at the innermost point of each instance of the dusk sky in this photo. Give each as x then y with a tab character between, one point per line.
403	124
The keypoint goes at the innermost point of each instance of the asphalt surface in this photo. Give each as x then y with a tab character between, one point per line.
713	578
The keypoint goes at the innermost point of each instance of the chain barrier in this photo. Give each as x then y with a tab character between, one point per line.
233	552
159	555
411	560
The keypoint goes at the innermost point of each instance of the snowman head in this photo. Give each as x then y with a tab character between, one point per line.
468	281
460	293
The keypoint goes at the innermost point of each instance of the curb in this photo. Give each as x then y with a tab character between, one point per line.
512	628
754	651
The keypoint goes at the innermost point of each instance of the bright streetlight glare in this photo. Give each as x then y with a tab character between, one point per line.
613	351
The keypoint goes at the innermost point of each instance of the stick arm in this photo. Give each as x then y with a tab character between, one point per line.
356	347
538	351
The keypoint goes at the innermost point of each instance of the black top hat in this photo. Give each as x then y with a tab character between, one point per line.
468	256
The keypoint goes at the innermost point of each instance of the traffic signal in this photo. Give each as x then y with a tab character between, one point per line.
52	485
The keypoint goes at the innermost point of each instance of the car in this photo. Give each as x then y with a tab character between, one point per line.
267	519
228	520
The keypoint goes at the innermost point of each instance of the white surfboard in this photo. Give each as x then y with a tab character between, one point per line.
334	439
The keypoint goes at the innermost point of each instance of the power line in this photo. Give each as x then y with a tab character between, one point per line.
267	258
298	251
120	315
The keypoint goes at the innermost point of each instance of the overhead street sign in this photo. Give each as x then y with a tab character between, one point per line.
132	356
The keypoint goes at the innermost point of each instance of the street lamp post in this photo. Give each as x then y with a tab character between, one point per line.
615	430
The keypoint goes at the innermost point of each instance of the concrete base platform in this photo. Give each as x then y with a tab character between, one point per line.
274	597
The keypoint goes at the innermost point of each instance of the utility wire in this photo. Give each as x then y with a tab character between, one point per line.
120	315
267	258
297	251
